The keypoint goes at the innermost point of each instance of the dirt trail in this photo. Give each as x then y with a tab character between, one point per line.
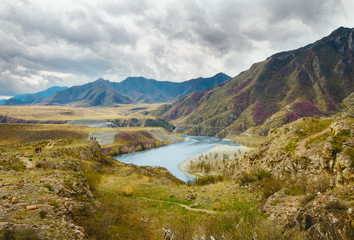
181	205
301	149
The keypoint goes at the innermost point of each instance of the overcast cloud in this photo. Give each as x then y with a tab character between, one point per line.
65	43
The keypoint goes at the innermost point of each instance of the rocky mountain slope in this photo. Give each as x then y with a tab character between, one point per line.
312	80
306	172
151	91
98	93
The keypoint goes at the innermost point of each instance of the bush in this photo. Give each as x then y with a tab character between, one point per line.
26	234
246	178
48	186
42	214
271	186
208	179
293	191
308	199
338	140
128	191
336	206
262	174
291	146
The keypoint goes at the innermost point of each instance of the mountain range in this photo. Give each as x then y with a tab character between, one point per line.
27	99
133	89
312	80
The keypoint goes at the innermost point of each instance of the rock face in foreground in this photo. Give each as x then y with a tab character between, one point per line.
41	195
310	167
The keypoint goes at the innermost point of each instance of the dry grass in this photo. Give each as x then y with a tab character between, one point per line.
249	141
12	134
55	113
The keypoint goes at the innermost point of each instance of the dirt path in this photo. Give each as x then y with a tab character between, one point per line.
301	148
181	205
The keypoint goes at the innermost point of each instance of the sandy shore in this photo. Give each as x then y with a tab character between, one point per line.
219	150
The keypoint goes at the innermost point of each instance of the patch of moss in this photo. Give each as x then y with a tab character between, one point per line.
293	191
291	146
275	202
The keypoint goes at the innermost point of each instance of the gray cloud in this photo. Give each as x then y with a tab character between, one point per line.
47	43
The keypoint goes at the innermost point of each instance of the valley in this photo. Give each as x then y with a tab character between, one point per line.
96	167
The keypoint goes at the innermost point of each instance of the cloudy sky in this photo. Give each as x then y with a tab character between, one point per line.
66	42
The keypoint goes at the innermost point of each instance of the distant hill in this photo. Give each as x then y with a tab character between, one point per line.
28	99
97	93
133	89
312	80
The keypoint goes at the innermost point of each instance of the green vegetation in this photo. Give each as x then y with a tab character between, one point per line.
294	191
275	202
319	138
308	199
291	146
335	206
338	140
309	126
48	186
23	234
210	179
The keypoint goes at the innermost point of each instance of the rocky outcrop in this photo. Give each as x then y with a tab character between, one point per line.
43	202
311	161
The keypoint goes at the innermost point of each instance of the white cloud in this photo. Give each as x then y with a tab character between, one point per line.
47	43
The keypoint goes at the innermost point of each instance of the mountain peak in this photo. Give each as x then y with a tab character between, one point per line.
340	31
101	80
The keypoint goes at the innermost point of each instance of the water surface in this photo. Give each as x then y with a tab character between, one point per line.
172	155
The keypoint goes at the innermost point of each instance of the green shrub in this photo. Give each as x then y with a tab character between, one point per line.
42	214
23	234
338	141
54	204
275	202
208	179
294	191
335	206
271	186
291	146
263	174
246	178
48	186
308	199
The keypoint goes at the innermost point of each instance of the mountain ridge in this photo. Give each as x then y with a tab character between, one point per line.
133	89
26	99
307	81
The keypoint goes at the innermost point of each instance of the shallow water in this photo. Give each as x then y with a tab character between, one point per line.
172	155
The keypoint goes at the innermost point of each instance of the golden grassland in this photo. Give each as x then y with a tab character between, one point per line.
55	113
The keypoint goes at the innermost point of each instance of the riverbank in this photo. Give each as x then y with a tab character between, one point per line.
211	162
